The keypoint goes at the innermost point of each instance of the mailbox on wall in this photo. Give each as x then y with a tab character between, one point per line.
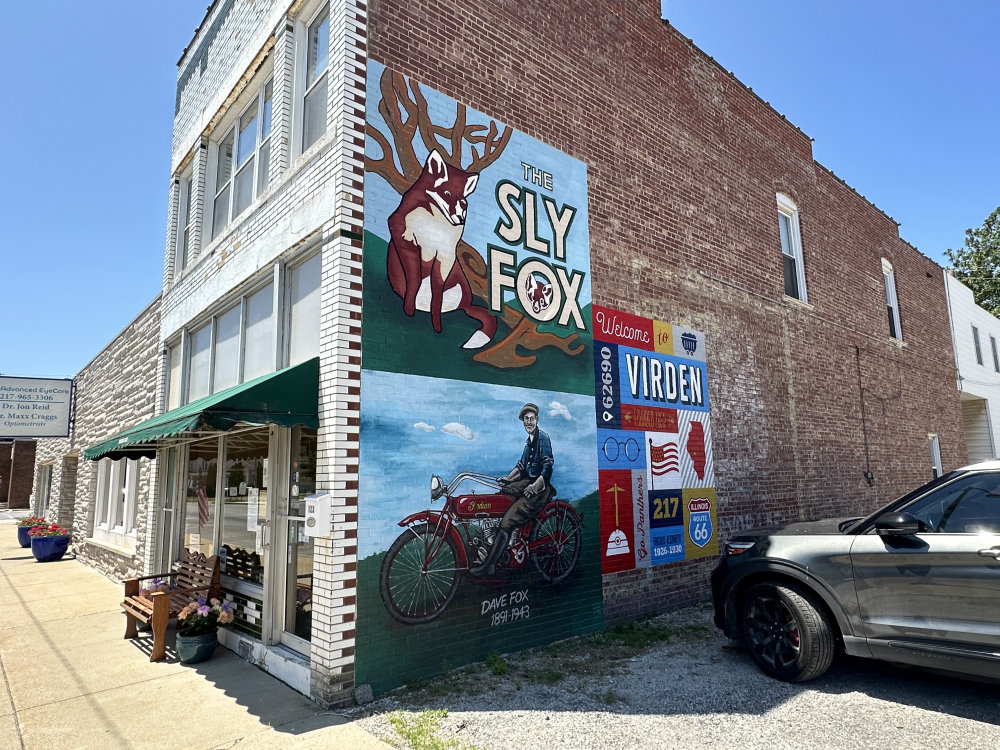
318	515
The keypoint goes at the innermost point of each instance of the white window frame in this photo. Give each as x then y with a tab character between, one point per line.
44	486
114	519
185	221
281	316
891	301
303	87
935	447
788	209
288	320
260	153
978	346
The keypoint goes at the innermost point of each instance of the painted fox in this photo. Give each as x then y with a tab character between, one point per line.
424	234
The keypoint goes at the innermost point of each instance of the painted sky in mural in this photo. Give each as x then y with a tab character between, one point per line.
444	432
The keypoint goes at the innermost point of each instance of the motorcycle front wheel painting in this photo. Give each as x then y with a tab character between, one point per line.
420	575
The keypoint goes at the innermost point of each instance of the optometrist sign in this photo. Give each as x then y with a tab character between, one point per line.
35	407
654	442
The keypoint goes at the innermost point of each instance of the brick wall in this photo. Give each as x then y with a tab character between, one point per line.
683	166
17	458
114	390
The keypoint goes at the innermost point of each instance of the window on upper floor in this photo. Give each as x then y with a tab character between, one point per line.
303	308
185	221
996	359
240	343
975	343
891	302
791	248
174	364
314	93
242	160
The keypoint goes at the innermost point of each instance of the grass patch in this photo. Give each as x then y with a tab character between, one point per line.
643	634
497	664
418	732
544	675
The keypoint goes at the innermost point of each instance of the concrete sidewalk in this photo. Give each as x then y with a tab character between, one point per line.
68	679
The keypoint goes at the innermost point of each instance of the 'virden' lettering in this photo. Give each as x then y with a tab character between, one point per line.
666	381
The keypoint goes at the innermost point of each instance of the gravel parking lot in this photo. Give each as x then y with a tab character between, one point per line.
691	688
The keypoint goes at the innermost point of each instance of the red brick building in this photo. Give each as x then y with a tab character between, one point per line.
686	169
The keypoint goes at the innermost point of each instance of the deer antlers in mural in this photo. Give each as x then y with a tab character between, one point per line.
404	109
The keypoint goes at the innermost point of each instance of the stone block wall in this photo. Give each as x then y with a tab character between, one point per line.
115	390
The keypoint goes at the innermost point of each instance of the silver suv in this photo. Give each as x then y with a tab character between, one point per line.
917	582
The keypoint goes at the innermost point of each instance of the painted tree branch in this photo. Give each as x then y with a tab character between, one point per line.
405	112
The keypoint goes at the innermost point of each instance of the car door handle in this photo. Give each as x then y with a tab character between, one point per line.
993	552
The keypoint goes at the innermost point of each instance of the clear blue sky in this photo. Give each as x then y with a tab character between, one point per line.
899	97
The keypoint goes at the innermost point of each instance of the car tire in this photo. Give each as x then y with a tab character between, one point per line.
787	634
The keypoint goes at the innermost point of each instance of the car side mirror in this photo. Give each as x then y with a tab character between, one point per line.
898	524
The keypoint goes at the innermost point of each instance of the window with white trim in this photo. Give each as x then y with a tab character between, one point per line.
199	383
976	344
996	358
303	306
317	60
242	341
117	490
174	377
242	157
43	488
891	302
791	248
185	222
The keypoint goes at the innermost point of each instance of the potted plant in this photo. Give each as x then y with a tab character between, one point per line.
49	542
197	628
25	525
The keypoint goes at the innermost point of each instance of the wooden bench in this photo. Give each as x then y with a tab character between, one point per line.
196	575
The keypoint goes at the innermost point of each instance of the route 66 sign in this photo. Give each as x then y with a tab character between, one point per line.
700	520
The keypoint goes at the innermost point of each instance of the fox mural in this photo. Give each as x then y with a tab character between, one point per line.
422	256
476	349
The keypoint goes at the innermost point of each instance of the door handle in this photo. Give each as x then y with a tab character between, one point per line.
993	552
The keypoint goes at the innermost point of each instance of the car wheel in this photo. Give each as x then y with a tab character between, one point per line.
787	634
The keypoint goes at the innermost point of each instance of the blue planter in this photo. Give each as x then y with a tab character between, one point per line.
49	548
192	649
22	535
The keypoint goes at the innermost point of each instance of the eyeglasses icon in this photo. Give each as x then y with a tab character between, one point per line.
613	449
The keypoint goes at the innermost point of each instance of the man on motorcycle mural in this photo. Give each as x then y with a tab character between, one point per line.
528	481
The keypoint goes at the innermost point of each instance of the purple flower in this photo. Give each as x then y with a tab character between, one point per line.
203	610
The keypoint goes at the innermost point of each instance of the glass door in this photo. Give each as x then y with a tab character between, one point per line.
293	594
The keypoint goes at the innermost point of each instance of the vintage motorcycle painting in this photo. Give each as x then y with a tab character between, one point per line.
424	567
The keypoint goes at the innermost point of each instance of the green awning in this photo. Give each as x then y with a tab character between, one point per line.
286	398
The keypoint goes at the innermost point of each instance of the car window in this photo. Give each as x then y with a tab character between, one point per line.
968	505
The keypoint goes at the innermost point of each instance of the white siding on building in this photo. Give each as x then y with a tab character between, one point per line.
979	383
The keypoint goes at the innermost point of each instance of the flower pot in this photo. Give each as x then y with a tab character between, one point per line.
49	548
22	535
192	649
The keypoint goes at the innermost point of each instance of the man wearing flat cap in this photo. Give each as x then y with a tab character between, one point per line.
528	481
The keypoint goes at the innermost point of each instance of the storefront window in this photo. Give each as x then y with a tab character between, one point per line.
199	496
244	504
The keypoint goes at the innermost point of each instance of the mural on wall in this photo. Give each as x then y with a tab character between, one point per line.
478	508
654	442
